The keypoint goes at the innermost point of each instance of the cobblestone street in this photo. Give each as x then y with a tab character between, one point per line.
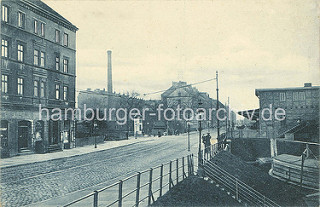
36	182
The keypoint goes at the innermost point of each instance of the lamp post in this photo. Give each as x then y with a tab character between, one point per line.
95	137
200	129
188	131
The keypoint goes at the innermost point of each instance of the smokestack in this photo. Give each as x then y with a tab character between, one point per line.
109	72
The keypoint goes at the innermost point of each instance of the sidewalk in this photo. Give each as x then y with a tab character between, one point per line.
33	158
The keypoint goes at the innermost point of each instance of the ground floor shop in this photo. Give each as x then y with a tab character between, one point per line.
22	133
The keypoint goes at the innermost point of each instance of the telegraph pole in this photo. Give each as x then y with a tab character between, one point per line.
217	107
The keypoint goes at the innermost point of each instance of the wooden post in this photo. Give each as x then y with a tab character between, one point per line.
138	189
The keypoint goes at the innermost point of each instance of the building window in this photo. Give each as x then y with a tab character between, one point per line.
35	26
57	62
57	91
4	83
36	57
20	86
57	36
20	53
4	48
282	96
36	88
42	89
295	96
65	93
43	27
65	65
42	59
65	39
21	20
5	13
302	96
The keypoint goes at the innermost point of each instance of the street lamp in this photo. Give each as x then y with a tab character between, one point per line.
200	129
188	131
95	137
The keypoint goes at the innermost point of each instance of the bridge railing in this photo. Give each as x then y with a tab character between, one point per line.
241	190
141	188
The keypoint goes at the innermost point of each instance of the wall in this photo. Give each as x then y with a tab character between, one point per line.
250	149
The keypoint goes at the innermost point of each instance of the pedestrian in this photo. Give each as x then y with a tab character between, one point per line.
208	142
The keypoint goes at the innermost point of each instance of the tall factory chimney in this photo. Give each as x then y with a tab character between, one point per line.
109	72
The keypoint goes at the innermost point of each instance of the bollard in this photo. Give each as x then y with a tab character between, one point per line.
138	189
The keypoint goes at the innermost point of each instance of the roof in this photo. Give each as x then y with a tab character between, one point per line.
248	114
285	89
45	10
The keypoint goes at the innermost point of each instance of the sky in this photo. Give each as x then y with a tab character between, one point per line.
251	43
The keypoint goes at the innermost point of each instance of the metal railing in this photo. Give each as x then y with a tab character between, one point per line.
141	187
240	190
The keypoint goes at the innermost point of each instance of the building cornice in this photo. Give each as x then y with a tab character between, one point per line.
47	14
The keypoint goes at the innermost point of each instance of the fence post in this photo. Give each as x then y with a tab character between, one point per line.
120	194
150	187
161	179
170	178
192	166
237	190
188	160
95	199
177	170
138	189
183	172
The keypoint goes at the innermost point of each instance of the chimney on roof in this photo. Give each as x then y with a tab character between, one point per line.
307	84
109	72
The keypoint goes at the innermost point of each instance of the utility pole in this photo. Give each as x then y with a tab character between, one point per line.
217	107
200	129
188	128
228	117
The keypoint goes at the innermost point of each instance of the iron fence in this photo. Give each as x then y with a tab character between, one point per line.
241	191
142	187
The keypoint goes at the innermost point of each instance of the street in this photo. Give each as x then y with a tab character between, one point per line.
73	177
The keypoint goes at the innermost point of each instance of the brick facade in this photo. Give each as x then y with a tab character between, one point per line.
35	69
301	105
